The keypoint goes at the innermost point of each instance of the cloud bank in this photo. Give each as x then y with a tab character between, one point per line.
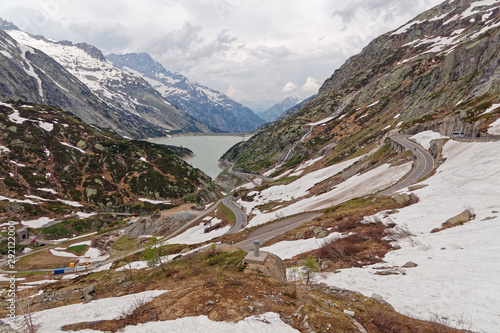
258	52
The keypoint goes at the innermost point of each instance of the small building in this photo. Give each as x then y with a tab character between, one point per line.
22	234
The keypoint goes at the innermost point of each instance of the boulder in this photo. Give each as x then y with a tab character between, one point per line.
349	313
410	264
322	234
461	218
317	230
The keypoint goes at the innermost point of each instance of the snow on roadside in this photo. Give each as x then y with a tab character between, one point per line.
289	249
92	254
458	268
362	184
268	322
296	189
426	137
102	309
197	234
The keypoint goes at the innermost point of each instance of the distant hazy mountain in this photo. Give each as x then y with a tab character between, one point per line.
206	105
77	78
278	109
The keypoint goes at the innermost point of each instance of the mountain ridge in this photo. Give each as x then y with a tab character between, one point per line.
117	99
207	105
275	111
425	70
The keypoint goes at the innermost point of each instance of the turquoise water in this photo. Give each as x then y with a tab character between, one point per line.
207	149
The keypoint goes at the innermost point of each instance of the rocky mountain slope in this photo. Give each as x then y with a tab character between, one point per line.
78	78
440	71
206	105
53	163
278	109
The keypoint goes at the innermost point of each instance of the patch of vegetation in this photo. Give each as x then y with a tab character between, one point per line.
78	249
226	214
125	243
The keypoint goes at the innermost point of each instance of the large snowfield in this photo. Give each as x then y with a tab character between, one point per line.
458	269
456	280
356	186
53	320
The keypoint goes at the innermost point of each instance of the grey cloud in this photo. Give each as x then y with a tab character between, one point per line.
271	52
380	10
182	39
109	37
184	48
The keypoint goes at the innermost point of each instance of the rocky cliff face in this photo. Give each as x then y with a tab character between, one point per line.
78	78
443	66
206	105
53	161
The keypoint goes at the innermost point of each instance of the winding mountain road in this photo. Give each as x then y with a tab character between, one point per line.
241	217
272	230
424	164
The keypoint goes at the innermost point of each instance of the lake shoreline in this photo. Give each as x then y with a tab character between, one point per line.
207	149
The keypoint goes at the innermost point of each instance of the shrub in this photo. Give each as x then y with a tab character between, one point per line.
343	249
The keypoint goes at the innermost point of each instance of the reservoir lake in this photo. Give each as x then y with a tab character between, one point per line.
207	149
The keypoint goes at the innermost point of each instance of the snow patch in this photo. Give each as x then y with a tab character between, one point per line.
156	202
49	190
268	322
289	249
458	268
490	109
197	234
15	117
71	146
102	309
494	128
426	137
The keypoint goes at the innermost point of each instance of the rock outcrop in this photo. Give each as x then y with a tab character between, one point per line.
271	266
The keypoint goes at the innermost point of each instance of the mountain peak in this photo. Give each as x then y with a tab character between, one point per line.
278	109
141	62
206	105
6	25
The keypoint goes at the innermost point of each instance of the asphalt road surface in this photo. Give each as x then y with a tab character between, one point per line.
270	231
424	165
241	217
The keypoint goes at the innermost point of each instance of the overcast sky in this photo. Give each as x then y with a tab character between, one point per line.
256	51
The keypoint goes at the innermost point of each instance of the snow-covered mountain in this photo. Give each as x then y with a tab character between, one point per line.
278	109
206	105
119	99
